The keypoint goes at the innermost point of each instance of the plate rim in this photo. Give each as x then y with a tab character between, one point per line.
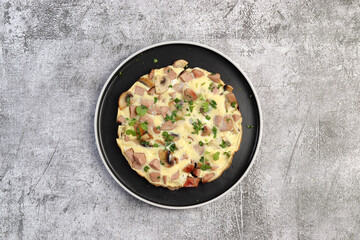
96	116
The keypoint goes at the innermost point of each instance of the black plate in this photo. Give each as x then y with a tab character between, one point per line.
141	63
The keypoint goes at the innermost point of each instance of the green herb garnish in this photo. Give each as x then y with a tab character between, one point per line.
146	168
144	126
202	159
213	104
205	106
172	147
155	99
211	86
227	154
191	108
205	167
214	130
201	143
132	122
141	110
167	136
156	145
130	132
219	86
250	126
207	117
197	126
224	144
128	98
155	60
233	104
216	156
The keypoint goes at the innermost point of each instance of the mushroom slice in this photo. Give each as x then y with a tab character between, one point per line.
228	88
124	99
151	91
151	74
146	137
147	82
215	77
181	63
165	158
161	84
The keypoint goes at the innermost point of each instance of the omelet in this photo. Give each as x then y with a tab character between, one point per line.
179	126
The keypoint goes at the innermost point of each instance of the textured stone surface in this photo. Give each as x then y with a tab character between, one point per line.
302	56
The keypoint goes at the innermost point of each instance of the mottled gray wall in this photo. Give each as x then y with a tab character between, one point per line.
302	57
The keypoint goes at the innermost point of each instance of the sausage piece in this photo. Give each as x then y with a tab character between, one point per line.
155	176
192	182
214	77
197	73
139	90
155	164
186	76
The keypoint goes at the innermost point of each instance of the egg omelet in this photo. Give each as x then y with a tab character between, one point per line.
179	126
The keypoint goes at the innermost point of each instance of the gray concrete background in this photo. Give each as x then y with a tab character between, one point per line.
302	57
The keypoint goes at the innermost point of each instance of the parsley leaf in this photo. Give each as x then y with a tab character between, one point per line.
197	126
205	106
144	126
167	136
216	156
213	104
128	98
156	145
225	144
132	122
201	143
191	108
233	104
141	110
155	99
130	132
202	159
207	117
205	167
172	147
214	130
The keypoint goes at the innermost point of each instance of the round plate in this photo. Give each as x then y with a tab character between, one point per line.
140	63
